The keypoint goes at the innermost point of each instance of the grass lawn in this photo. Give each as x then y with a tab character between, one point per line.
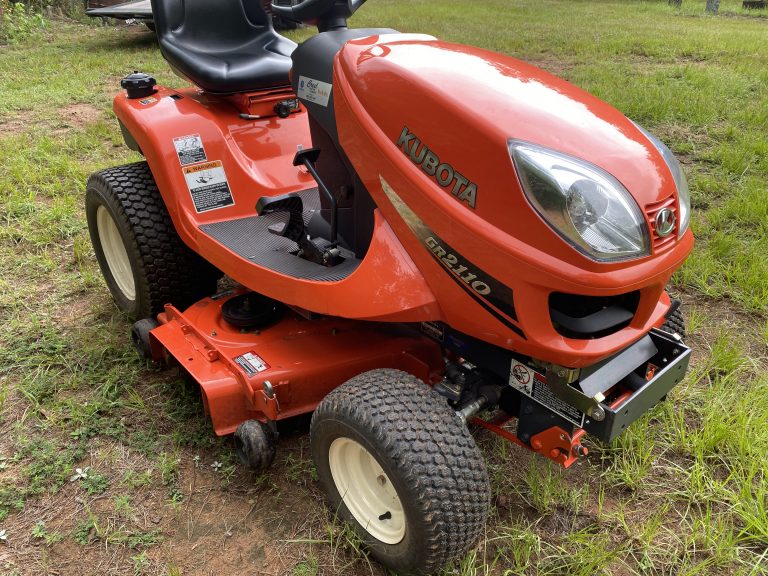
684	491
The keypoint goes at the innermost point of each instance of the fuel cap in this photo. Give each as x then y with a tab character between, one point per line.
138	85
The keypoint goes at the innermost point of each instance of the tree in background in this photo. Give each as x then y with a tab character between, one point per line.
712	5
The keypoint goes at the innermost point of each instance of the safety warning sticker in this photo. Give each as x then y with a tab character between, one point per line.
190	149
314	90
251	363
534	385
208	185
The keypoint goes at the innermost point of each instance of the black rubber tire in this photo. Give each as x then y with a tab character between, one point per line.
675	323
165	270
140	337
256	445
428	454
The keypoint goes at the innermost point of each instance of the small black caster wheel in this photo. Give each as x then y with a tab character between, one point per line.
256	444
140	337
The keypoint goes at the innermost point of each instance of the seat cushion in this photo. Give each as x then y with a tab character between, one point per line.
223	46
259	64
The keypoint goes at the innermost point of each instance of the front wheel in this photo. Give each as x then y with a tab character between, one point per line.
675	322
398	464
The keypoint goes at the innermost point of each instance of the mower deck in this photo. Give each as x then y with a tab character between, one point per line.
286	369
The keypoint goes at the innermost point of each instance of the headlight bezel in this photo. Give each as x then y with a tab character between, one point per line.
604	187
678	176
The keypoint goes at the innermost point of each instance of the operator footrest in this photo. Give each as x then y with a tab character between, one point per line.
296	229
251	239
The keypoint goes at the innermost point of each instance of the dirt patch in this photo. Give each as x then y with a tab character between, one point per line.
553	65
723	315
13	126
77	116
72	116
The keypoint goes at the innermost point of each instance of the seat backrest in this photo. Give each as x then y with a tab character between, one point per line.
219	24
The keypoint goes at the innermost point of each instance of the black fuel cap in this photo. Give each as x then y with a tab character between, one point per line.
138	85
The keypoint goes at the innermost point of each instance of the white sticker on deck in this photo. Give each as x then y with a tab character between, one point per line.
190	149
314	90
208	186
251	363
534	385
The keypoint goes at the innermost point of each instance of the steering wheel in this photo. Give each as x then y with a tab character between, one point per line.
310	11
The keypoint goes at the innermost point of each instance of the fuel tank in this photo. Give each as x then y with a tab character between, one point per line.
427	125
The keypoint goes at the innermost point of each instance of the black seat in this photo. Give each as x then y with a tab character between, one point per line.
223	46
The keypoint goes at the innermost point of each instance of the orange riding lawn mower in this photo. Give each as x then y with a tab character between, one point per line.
421	237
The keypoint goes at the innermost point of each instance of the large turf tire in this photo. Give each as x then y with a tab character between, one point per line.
144	262
429	458
675	323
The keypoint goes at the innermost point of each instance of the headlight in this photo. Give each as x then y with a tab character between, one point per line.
584	204
677	174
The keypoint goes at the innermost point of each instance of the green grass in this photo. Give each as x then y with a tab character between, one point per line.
683	491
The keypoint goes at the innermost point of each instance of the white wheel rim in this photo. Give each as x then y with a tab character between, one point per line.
115	254
367	491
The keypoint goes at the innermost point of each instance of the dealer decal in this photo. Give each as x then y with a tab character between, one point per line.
314	90
442	172
208	186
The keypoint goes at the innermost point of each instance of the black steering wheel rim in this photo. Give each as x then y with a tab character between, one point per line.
310	11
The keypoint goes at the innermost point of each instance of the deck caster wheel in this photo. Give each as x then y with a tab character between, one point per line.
256	444
140	337
398	464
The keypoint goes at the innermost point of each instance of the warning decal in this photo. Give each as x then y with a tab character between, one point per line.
251	363
208	185
190	149
534	385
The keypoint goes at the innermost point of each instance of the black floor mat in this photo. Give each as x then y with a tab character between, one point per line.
250	238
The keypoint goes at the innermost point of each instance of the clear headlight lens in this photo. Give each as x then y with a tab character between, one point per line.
584	204
677	174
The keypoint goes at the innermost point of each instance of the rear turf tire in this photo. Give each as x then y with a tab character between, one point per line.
144	262
385	444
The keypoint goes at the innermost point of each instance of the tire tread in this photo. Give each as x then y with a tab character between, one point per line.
675	323
172	272
442	462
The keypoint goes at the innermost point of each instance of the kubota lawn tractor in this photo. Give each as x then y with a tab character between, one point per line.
420	236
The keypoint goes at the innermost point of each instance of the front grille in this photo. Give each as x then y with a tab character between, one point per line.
651	210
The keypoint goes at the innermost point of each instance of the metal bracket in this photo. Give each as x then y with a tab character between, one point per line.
594	381
559	380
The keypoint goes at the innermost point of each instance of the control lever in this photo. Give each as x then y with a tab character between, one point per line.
307	158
